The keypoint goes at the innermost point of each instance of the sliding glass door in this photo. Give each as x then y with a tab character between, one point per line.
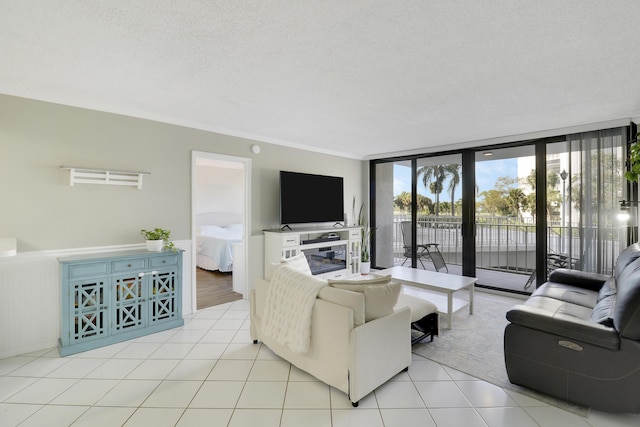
505	219
417	213
438	222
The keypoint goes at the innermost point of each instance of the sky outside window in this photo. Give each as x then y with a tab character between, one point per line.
487	172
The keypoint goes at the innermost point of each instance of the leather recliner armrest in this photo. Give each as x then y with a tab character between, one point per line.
564	325
580	279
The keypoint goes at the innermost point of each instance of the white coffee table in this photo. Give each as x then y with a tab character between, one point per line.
437	282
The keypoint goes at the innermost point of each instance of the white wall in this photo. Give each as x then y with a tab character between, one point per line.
219	189
49	217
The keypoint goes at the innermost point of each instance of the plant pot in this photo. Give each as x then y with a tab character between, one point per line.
365	267
155	245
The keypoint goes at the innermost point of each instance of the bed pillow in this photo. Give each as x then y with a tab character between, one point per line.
234	227
380	294
299	262
209	229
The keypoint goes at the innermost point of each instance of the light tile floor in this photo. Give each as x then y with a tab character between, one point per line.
208	372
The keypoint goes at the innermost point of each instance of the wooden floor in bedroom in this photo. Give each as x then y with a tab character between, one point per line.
214	288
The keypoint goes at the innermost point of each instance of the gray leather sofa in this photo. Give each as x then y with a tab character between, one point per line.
578	337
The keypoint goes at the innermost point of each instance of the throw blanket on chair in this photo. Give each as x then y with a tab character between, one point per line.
288	307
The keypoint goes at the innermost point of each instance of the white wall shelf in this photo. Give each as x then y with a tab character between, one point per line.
102	176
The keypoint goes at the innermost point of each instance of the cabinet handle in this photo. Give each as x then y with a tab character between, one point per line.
164	261
154	272
140	274
129	265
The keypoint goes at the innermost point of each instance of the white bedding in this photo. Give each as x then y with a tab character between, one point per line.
214	246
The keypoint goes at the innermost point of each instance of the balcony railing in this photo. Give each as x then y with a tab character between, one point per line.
508	244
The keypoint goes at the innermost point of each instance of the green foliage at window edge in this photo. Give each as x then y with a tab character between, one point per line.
633	162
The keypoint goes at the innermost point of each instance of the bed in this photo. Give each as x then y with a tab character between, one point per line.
216	234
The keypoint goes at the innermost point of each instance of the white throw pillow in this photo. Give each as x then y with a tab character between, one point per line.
380	294
299	262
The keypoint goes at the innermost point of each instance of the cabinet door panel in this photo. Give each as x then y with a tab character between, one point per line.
90	312
163	296
129	303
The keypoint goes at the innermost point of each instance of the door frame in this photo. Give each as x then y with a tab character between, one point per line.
246	220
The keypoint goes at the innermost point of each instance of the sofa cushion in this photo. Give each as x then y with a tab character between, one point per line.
626	257
603	311
567	293
352	300
299	262
564	320
626	317
380	294
608	289
419	307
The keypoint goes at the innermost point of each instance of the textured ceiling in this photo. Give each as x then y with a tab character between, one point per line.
354	78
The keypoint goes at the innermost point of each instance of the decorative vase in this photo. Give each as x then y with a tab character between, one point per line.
365	267
155	245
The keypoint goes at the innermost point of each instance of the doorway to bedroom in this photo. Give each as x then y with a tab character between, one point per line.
219	207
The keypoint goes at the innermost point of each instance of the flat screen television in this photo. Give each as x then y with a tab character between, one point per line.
308	198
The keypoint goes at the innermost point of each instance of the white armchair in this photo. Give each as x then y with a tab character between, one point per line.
345	352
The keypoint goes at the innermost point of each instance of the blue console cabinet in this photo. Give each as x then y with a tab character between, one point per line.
115	296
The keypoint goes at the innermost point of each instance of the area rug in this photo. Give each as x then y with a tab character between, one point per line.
475	346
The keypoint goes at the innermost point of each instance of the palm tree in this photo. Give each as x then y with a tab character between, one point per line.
432	178
436	188
453	170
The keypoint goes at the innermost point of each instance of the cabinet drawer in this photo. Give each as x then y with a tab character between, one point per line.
164	261
290	240
90	269
354	234
339	274
128	265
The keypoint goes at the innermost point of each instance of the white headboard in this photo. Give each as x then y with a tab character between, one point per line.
221	219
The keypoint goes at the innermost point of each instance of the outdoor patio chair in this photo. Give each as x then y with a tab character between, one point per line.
554	261
423	251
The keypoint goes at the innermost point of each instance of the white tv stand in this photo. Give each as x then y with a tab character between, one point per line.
280	244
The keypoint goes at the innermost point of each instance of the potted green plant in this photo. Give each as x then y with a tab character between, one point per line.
365	240
365	259
158	239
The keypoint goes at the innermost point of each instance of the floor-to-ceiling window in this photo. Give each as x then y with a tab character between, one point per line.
531	207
